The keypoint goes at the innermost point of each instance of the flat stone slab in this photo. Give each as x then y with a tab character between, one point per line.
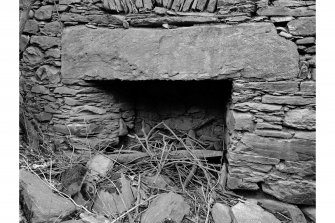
251	50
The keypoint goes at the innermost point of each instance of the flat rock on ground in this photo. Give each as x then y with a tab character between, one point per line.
251	213
167	206
221	213
39	202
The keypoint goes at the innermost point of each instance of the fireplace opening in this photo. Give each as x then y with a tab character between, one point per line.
196	108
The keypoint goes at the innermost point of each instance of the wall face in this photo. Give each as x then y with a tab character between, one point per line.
267	50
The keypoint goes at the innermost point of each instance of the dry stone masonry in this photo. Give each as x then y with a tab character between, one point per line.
77	56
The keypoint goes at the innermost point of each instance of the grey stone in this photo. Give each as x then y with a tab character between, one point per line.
306	41
50	73
24	40
295	192
53	52
117	199
31	27
311	50
100	164
285	149
41	204
45	42
44	116
278	86
44	12
243	121
300	119
160	10
265	125
310	212
251	158
68	2
305	135
282	19
257	106
52	28
166	206
147	4
90	109
72	17
221	213
287	100
71	101
33	55
308	86
40	89
285	35
250	213
289	210
65	90
293	3
275	134
235	53
302	26
211	6
283	11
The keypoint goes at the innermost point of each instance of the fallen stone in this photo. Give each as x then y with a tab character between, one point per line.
32	55
167	206
306	41
287	100
294	192
39	202
160	181
300	119
188	63
243	121
250	213
302	26
283	11
100	164
72	179
87	218
45	42
115	199
68	2
44	12
31	27
49	73
52	28
289	210
221	213
310	212
274	134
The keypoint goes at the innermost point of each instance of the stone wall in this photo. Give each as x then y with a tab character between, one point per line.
267	48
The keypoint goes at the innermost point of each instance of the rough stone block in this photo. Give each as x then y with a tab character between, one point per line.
302	26
31	27
300	119
206	52
44	12
243	121
287	100
45	42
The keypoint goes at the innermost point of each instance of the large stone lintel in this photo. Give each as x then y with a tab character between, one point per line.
189	53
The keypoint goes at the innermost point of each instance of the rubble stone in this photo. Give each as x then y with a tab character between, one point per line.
40	203
302	26
44	12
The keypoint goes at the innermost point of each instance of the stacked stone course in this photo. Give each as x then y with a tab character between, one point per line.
270	121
